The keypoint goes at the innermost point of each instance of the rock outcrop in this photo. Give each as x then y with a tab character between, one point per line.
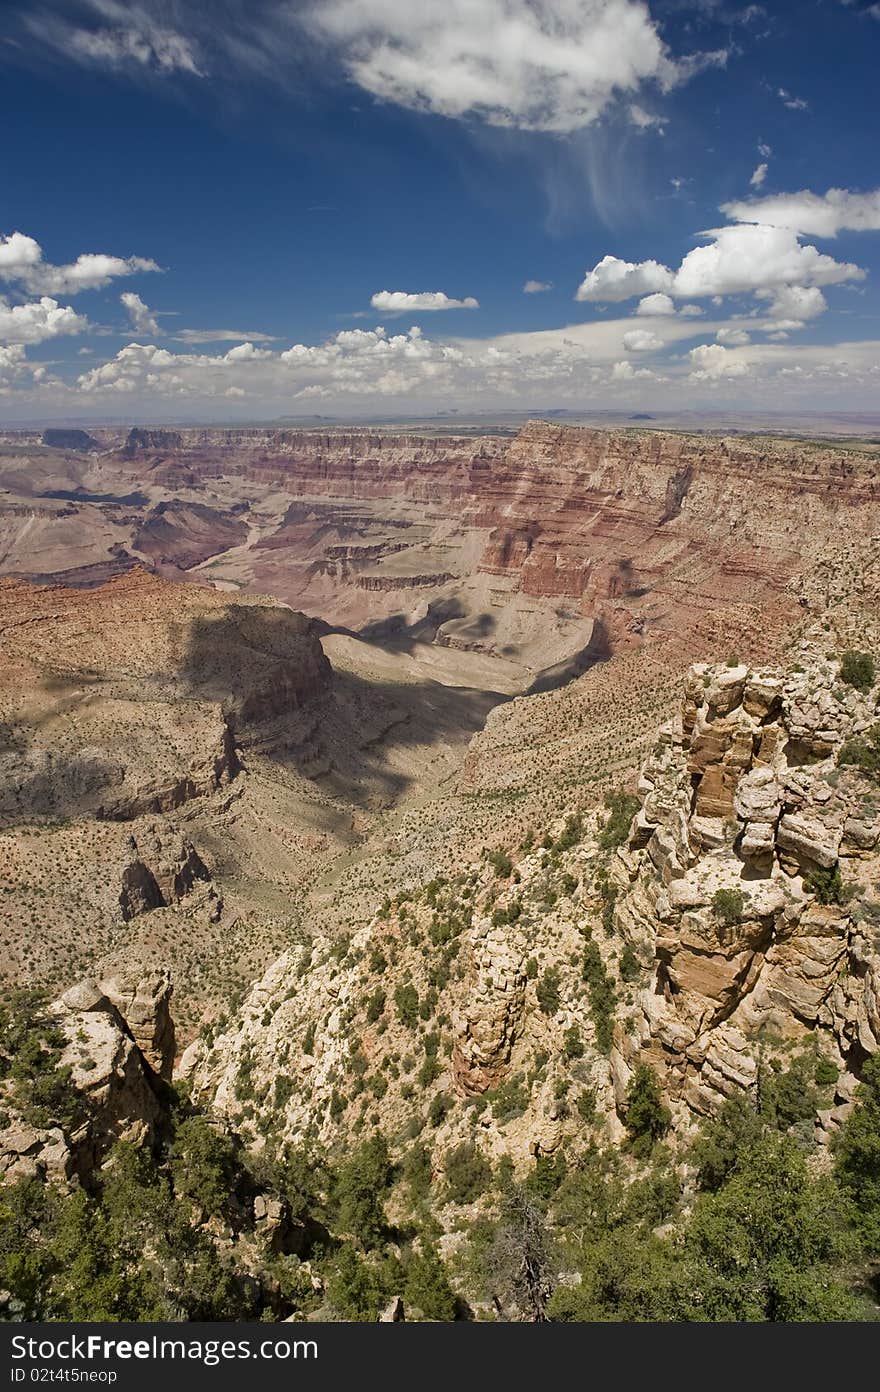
751	880
119	1044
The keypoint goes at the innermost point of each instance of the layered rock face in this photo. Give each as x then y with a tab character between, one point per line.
129	699
657	524
126	713
750	880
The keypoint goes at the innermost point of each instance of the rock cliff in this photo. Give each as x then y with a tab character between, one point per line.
733	922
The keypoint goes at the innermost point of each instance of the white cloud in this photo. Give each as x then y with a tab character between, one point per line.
403	302
21	260
612	280
764	150
749	257
793	103
624	371
735	260
38	321
537	287
357	368
551	65
14	367
142	318
814	214
641	341
758	177
196	336
795	302
732	337
645	120
655	305
18	255
690	311
711	361
130	38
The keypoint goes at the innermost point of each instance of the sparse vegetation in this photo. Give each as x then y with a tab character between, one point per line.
728	906
858	669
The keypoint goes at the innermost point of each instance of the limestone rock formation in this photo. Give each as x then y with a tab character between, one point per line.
751	878
162	868
119	1042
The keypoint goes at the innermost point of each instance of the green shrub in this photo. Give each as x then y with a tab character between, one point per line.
825	1072
426	1288
375	1005
863	752
622	807
360	1185
788	1095
728	905
547	991
572	1043
468	1173
572	833
406	999
501	863
509	1100
586	1107
825	884
602	996
429	1071
629	964
857	669
440	1107
647	1116
857	1157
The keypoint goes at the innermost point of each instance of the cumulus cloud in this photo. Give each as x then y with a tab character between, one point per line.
352	370
142	318
612	280
624	371
795	303
16	370
38	321
712	361
758	177
641	341
404	302
551	65
748	257
813	214
732	337
21	261
656	304
736	260
537	287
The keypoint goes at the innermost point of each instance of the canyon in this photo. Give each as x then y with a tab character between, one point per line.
451	784
330	662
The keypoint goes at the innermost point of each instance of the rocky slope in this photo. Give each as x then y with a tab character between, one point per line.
731	924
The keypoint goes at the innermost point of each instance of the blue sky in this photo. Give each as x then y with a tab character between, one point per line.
246	209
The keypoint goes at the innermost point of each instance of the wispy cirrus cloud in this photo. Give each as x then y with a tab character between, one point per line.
110	34
541	65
